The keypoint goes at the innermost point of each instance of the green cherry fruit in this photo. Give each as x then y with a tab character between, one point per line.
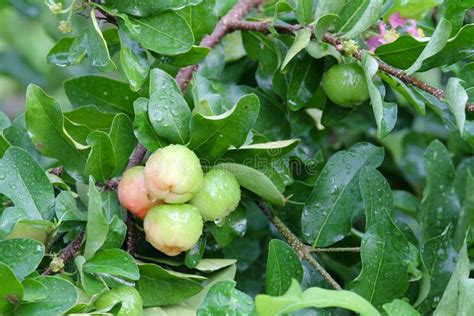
345	85
28	231
173	174
173	228
133	194
219	195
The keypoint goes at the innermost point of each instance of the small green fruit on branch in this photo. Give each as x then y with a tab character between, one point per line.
173	228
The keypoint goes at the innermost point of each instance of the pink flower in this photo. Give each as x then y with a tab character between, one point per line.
412	28
382	28
396	20
374	42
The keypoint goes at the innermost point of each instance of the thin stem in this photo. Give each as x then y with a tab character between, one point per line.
301	249
69	252
264	27
357	233
337	249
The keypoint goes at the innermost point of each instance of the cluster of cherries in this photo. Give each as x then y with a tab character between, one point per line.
173	197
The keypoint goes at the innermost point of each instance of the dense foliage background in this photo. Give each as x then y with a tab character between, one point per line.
365	208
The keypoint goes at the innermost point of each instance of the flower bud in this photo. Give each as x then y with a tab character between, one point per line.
173	228
132	192
173	174
219	195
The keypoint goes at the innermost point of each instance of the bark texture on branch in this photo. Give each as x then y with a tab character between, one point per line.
69	252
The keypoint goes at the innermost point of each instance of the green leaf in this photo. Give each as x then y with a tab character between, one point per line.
168	111
255	181
11	290
283	265
97	225
97	47
4	124
166	33
66	209
101	161
450	302
454	12
33	290
304	11
123	141
107	94
300	42
22	255
320	50
464	184
194	255
405	50
224	299
295	299
129	299
211	136
158	287
134	61
385	112
143	129
68	51
90	117
439	260
437	42
62	295
398	307
384	249
405	91
325	7
26	184
202	18
440	205
45	123
194	56
139	8
206	98
235	225
260	155
456	98
91	285
327	214
357	16
113	261
116	234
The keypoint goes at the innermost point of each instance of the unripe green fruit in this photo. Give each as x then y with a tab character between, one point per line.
28	231
173	228
133	194
219	195
173	174
345	85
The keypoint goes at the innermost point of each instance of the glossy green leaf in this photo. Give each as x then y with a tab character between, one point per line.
358	15
211	136
143	129
385	112
450	303
168	111
4	123
11	290
97	49
62	295
113	261
440	204
202	18
325	7
107	94
327	214
68	51
90	284
399	307
194	56
45	123
320	50
134	61
194	255
26	184
300	42
456	98
91	117
405	91
235	225
140	8
305	11
158	287
123	141
224	299
33	290
454	12
255	181
165	33
22	255
101	161
283	265
116	234
384	249
129	299
66	208
206	98
97	225
295	299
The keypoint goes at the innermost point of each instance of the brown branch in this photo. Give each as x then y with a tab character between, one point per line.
264	27
301	249
225	26
336	249
131	240
69	252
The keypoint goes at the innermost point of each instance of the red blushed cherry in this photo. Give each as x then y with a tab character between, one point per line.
133	194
